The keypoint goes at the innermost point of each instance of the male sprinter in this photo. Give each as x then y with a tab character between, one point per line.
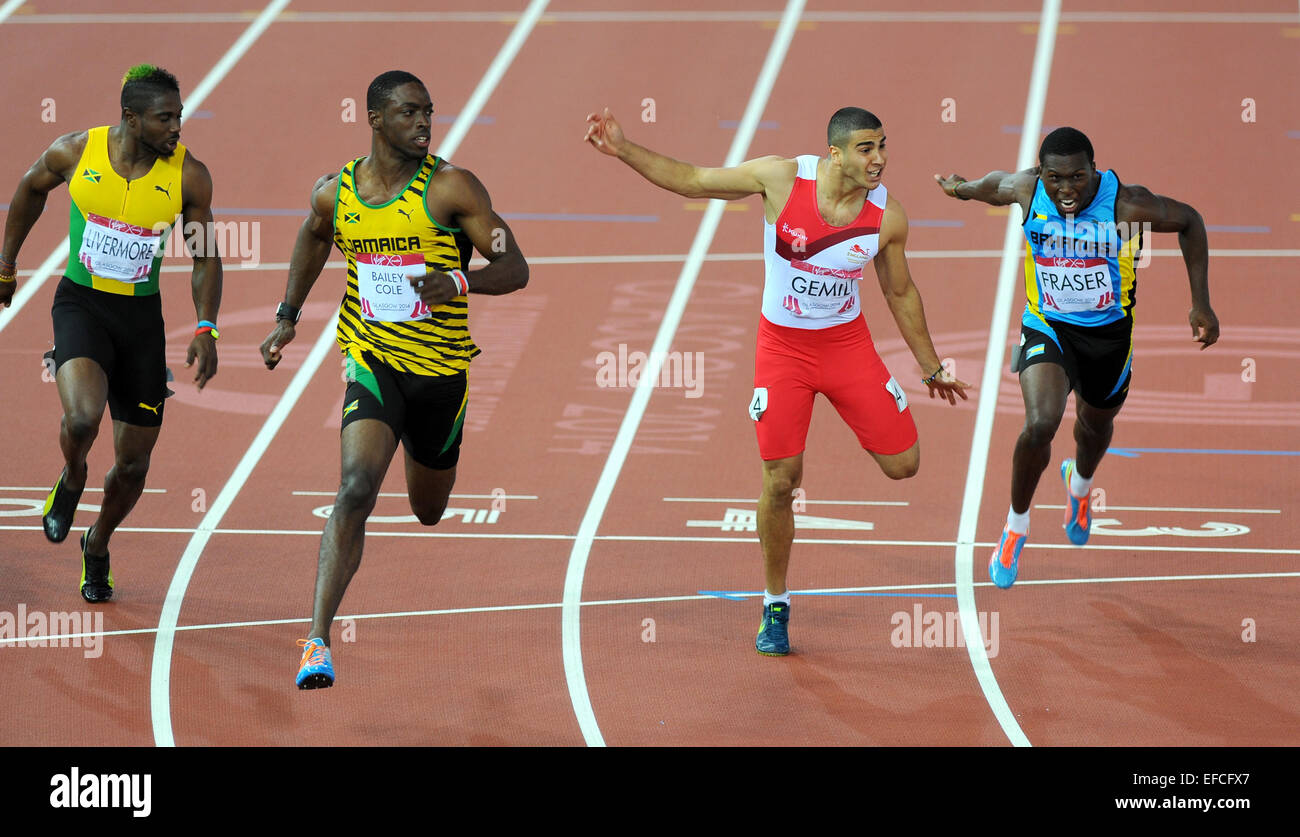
128	184
1084	233
826	218
406	221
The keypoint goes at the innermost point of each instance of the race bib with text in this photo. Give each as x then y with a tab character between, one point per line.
384	287
1074	285
117	250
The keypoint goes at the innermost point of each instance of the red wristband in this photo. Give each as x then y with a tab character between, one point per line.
462	284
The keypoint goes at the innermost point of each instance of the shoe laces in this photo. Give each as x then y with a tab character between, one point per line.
1082	517
314	652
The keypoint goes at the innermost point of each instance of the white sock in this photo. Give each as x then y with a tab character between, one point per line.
1079	487
1019	523
768	598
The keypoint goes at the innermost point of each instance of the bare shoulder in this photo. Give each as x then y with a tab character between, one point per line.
192	167
64	153
456	191
893	226
1135	195
323	193
1137	203
773	170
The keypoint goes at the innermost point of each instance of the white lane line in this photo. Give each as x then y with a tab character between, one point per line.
555	536
680	16
403	494
752	500
160	673
160	692
975	473
9	8
458	611
569	620
1168	508
497	69
191	106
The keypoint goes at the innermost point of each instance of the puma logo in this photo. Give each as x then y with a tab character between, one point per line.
404	213
167	191
154	409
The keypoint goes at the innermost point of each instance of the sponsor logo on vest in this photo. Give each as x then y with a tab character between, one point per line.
818	270
400	244
858	256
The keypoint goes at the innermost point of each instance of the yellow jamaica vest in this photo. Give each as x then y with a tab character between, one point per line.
117	227
385	245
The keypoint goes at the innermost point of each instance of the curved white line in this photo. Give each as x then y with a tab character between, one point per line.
160	688
970	505
571	636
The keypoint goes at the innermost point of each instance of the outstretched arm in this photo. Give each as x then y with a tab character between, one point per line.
751	177
51	169
1138	205
999	188
310	252
904	302
205	281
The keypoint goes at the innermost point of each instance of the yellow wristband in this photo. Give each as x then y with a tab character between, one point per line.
8	279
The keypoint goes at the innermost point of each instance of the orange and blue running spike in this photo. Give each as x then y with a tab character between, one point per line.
1078	515
315	670
1005	562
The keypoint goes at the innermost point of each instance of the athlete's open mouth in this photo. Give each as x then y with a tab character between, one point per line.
422	140
1068	204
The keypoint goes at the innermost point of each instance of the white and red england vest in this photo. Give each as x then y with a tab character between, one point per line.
813	268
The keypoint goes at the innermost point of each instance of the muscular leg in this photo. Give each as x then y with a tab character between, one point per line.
900	466
428	489
776	518
83	390
124	483
1045	388
1093	428
368	447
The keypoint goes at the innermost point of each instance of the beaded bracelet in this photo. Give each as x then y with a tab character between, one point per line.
930	380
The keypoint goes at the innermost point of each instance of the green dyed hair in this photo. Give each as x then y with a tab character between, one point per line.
142	83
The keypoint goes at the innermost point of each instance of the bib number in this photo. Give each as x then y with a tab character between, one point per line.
900	397
1073	285
114	249
384	286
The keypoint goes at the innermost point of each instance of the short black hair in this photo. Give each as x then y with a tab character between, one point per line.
847	120
384	84
143	83
1063	142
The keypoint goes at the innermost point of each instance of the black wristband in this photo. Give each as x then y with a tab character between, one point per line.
285	311
930	380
